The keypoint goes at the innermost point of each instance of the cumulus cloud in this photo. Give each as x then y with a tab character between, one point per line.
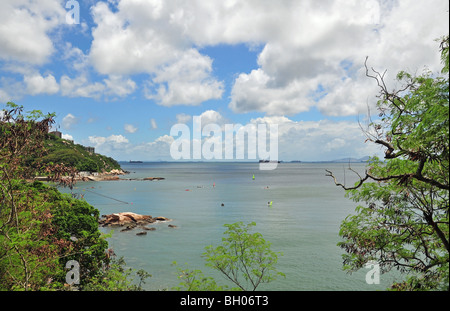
144	40
119	86
187	81
37	84
69	121
325	50
312	52
80	87
25	28
67	136
212	116
116	139
310	49
113	145
110	88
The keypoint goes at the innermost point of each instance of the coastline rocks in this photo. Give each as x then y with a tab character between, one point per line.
129	219
154	178
149	228
95	176
101	178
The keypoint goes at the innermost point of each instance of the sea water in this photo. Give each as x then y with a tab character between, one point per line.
302	222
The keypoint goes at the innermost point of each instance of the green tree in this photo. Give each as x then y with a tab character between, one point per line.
195	280
27	245
404	223
42	229
117	277
244	258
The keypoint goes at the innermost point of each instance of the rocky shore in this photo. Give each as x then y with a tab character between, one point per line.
95	176
112	175
129	221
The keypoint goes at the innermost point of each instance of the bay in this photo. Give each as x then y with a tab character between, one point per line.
302	223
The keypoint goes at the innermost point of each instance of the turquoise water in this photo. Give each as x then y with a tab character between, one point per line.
303	222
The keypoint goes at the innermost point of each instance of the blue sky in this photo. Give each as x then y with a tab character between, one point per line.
131	69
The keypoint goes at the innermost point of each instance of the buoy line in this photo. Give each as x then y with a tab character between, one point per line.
102	195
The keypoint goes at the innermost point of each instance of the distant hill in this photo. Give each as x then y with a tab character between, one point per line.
75	155
351	160
343	160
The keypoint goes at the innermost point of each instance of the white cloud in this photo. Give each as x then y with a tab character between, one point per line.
187	81
319	140
144	40
130	128
211	116
119	147
132	33
69	121
309	47
25	28
297	140
37	84
80	87
112	87
109	144
118	86
75	58
253	92
326	47
67	136
312	52
166	139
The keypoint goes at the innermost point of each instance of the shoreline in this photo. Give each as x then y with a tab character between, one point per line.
104	176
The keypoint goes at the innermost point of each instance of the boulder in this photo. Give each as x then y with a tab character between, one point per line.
160	218
128	228
129	219
148	228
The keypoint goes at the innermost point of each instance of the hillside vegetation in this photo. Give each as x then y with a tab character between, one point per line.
44	232
75	155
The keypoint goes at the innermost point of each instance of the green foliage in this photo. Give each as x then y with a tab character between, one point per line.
195	280
75	155
52	228
117	278
243	258
404	222
40	228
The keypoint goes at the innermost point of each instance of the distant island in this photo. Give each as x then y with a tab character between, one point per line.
343	160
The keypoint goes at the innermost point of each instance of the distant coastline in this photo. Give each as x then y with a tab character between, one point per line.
342	160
